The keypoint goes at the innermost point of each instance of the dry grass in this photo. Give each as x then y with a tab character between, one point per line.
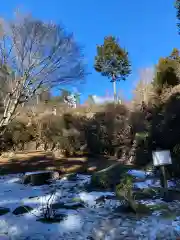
41	110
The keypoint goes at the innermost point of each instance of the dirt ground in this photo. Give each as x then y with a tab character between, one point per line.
22	162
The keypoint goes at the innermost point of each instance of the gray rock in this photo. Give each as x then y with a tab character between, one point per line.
108	177
22	210
72	206
40	178
4	211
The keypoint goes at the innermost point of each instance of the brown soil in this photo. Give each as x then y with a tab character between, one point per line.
23	162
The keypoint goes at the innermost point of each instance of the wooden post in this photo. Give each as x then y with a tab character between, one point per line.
164	182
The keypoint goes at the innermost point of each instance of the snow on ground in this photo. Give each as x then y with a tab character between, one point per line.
145	183
152	183
95	220
37	172
90	198
138	173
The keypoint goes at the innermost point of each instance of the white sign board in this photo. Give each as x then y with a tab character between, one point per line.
161	158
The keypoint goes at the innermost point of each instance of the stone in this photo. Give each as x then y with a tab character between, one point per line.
31	197
90	238
4	211
72	206
22	210
40	178
109	177
92	169
72	177
135	208
143	194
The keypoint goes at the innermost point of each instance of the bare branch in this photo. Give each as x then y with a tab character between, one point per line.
41	54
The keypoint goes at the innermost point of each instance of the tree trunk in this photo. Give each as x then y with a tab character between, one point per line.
8	113
114	88
11	103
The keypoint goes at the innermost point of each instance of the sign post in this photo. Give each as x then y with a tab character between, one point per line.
162	158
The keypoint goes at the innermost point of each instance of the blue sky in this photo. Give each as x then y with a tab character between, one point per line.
146	28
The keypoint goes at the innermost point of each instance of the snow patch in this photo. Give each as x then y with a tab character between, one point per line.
152	183
72	222
90	198
77	224
138	173
37	172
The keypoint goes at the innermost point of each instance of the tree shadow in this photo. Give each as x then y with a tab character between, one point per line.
45	161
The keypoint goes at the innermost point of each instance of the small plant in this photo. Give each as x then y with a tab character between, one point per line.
48	213
124	189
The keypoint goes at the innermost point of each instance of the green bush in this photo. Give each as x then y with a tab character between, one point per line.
125	190
166	71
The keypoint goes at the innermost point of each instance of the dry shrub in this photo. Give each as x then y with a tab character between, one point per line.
16	136
113	129
42	109
50	131
109	131
58	132
168	92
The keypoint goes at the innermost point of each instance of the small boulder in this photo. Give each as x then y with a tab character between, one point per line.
22	210
135	208
40	178
143	194
108	178
92	169
71	206
74	206
4	211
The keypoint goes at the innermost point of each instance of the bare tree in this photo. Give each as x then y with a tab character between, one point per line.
35	56
144	89
3	86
